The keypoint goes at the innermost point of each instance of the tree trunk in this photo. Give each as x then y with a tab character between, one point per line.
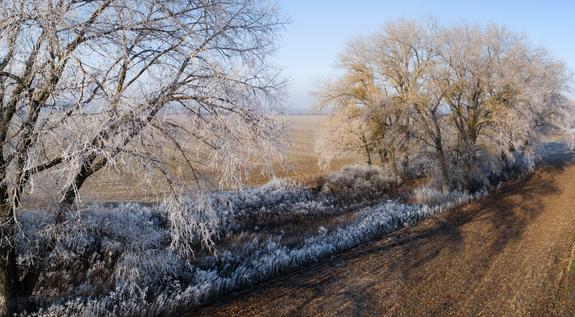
441	155
406	156
394	170
368	155
69	197
444	170
469	164
466	180
382	157
405	165
367	151
90	166
8	269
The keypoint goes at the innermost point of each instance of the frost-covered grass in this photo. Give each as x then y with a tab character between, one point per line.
433	197
177	283
127	260
276	203
357	182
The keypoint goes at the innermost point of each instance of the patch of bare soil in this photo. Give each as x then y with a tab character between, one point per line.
507	255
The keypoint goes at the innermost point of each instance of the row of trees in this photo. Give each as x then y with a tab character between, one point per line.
468	100
87	84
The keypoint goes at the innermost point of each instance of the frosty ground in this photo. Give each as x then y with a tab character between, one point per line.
507	254
130	259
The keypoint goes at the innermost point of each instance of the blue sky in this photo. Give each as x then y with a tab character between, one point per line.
319	29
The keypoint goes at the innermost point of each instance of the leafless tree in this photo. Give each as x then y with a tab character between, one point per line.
388	74
89	84
499	89
454	92
348	99
364	117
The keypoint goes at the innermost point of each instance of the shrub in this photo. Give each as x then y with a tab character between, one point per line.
357	182
433	197
88	247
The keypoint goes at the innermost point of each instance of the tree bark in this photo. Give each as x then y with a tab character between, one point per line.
441	155
90	166
444	170
8	280
8	269
367	151
382	157
368	155
469	164
393	163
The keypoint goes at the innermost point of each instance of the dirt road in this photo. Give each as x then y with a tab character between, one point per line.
507	255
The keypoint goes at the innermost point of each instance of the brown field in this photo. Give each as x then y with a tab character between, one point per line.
302	159
301	164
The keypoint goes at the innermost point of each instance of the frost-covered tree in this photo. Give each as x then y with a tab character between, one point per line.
344	134
498	89
89	84
372	103
384	76
349	98
471	99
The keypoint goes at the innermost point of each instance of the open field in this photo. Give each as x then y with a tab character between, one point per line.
508	254
302	159
301	164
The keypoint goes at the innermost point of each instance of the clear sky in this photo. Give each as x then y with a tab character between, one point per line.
319	29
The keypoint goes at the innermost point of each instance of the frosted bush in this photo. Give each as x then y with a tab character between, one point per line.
274	195
35	230
280	201
152	269
133	225
203	218
221	213
88	246
421	166
488	171
550	150
517	164
281	185
433	197
135	228
358	182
